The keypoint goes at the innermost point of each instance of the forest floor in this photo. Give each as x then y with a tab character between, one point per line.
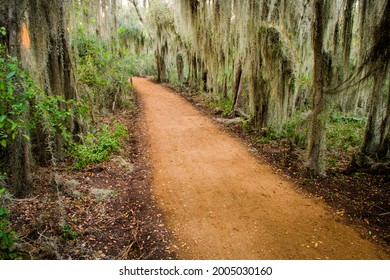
222	201
106	211
184	186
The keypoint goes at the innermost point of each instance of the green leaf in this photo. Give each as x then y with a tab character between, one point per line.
11	121
4	143
26	136
11	74
6	239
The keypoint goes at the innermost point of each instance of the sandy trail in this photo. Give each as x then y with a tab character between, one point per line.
222	203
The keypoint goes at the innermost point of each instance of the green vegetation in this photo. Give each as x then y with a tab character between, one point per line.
225	105
52	112
102	73
7	235
97	147
53	120
344	132
296	129
16	90
21	95
344	137
68	233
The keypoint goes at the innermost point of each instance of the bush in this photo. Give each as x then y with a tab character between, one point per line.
225	105
296	129
103	73
17	89
7	235
97	148
344	136
345	132
24	106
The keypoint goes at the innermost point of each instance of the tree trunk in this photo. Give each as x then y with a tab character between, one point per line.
204	80
371	142
237	82
347	32
384	148
114	27
180	68
19	161
316	145
195	72
160	68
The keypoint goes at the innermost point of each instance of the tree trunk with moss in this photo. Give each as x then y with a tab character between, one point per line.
43	49
384	147
180	68
161	70
315	157
19	160
375	65
371	142
51	53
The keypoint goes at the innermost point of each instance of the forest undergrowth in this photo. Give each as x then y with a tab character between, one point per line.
103	211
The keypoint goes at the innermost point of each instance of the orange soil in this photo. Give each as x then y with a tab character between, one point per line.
222	203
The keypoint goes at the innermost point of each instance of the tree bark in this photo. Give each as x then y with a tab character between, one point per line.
140	17
237	82
384	149
19	161
316	145
204	80
180	68
160	67
371	142
347	32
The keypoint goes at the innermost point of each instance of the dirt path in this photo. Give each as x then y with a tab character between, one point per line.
222	203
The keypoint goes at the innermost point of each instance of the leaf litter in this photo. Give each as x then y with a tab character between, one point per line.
104	212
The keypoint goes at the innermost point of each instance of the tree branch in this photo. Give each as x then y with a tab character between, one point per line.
135	4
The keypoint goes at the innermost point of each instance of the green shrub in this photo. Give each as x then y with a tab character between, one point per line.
52	113
103	74
296	129
7	235
17	89
225	105
344	132
344	135
24	105
97	148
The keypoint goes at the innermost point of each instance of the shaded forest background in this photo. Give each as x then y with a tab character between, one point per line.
313	72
